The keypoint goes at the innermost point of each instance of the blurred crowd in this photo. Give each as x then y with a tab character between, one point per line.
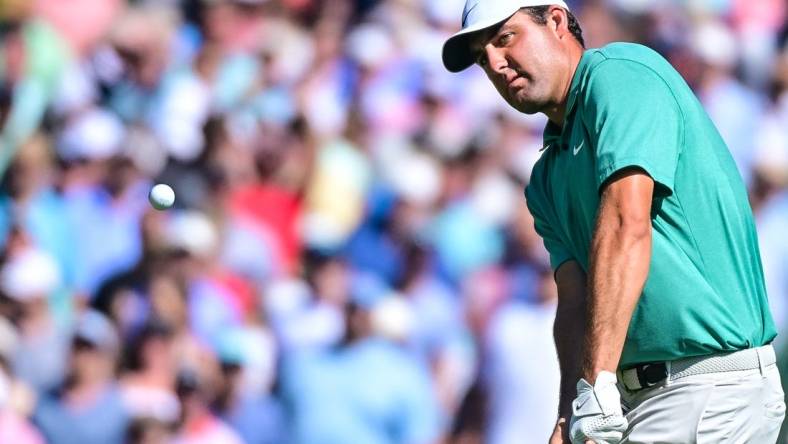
350	258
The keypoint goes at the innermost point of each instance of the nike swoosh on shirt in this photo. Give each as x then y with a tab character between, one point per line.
578	148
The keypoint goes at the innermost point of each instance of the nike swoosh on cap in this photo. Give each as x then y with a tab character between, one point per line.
467	13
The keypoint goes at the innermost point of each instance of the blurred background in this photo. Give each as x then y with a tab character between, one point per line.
350	258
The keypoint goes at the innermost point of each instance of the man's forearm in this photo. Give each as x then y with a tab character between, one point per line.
619	263
569	330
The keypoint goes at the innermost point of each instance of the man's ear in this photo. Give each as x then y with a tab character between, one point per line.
557	20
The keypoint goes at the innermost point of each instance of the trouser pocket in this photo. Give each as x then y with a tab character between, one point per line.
774	398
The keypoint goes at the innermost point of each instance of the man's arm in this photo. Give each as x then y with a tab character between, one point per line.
569	330
618	267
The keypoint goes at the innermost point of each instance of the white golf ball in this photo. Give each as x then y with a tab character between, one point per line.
161	196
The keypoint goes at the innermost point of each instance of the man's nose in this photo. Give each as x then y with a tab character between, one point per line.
495	59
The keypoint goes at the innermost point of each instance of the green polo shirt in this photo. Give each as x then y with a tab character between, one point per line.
627	107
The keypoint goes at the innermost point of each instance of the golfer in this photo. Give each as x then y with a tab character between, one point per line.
662	328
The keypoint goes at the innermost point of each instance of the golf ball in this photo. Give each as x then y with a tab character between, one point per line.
161	196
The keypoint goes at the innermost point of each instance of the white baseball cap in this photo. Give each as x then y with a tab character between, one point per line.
477	16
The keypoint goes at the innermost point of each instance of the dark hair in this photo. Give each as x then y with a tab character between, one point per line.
539	15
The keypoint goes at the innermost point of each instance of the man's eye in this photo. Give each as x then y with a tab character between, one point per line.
482	60
505	38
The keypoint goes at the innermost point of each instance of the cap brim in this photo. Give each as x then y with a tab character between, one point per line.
457	54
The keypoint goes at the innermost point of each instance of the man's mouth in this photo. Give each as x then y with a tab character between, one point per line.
515	83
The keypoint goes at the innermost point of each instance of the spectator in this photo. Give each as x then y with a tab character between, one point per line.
323	160
14	395
369	389
198	424
319	324
88	407
148	380
245	400
522	368
29	279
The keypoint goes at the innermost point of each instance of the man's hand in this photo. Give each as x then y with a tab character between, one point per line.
561	433
596	412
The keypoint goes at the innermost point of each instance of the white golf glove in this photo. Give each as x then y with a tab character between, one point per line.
596	412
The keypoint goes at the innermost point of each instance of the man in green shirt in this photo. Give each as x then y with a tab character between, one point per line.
662	321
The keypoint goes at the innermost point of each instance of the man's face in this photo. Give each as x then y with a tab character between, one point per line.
523	59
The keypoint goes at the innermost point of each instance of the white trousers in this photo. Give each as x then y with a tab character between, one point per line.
745	406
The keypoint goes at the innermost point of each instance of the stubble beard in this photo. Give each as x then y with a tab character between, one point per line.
527	103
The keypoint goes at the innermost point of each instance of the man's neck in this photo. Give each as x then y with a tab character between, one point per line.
557	112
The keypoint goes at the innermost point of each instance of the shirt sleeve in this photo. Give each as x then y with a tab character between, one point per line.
555	247
634	121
